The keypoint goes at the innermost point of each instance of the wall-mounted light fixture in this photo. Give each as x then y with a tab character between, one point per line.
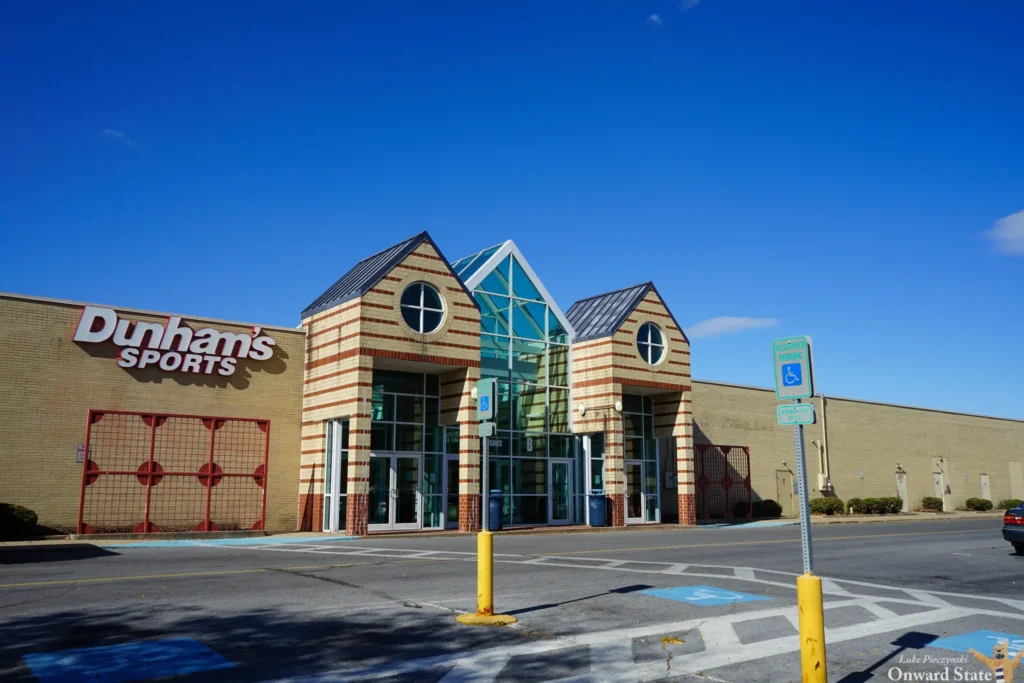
582	408
618	406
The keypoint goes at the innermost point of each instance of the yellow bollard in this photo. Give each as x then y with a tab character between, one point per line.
485	574
485	615
812	629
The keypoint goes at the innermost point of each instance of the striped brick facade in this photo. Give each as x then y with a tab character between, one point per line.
343	346
604	369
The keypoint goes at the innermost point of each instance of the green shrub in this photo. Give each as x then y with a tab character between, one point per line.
894	505
980	504
875	506
16	522
767	508
740	509
1010	503
826	506
931	503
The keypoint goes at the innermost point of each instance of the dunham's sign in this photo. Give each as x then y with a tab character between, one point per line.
172	346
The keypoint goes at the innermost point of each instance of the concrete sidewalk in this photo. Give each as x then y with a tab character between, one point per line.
171	540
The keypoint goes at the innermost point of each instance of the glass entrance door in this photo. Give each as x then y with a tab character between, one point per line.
560	500
642	492
451	520
634	492
395	498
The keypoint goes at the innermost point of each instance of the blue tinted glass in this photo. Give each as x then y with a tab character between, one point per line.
530	408
556	333
469	265
528	319
528	362
497	279
493	312
521	283
493	356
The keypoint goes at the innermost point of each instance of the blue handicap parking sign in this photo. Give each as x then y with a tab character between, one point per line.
707	596
980	641
792	375
485	404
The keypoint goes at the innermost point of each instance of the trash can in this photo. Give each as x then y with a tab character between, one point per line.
494	511
597	509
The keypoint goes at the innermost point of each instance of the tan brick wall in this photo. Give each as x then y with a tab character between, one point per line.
605	369
346	342
866	437
48	383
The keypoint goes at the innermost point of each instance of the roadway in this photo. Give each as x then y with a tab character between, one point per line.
383	608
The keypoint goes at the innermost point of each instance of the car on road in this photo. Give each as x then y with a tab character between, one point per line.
1013	528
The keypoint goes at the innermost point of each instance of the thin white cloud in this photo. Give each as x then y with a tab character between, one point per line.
727	324
114	134
654	20
1007	234
687	5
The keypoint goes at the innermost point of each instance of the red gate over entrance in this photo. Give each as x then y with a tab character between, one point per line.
723	480
150	472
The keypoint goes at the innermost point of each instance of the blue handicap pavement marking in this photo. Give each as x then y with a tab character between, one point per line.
707	596
128	662
981	641
792	375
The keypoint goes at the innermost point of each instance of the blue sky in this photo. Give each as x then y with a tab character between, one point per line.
823	168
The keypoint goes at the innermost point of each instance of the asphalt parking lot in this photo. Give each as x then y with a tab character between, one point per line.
670	604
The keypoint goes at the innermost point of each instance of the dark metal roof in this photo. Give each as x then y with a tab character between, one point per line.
368	272
600	316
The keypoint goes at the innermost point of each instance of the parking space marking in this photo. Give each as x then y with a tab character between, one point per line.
190	575
817	538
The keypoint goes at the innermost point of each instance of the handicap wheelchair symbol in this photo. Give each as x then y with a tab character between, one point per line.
792	375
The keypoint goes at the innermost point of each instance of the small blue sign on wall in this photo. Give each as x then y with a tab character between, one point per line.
706	596
981	641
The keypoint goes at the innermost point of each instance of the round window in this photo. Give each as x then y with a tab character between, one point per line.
422	307
650	343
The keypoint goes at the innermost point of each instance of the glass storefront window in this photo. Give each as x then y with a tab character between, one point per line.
522	285
497	281
409	409
561	446
558	400
452	440
530	404
529	476
529	361
558	366
409	438
525	347
494	312
557	334
529	509
395	382
530	446
528	319
494	352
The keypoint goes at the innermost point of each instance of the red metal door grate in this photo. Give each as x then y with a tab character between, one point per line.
151	472
723	480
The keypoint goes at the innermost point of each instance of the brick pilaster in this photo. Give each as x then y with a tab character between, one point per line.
687	509
469	512
617	503
357	513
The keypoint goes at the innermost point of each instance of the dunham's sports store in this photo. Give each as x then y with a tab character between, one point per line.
363	418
